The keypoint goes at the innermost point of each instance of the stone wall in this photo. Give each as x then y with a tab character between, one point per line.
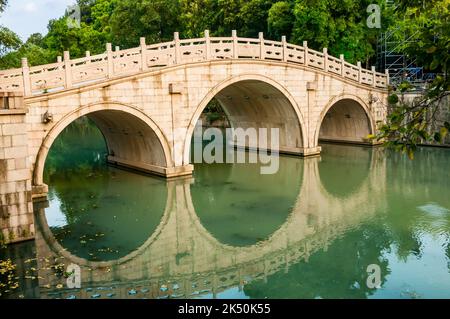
16	211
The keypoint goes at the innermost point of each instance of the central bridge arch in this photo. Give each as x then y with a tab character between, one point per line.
255	101
132	138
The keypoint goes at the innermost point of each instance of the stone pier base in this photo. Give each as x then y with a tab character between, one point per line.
167	172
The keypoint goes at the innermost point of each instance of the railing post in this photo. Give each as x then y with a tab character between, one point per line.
109	55
305	47
144	65
26	77
235	44
68	69
342	58
325	59
88	54
387	77
262	49
284	43
207	45
374	75
59	60
176	39
359	71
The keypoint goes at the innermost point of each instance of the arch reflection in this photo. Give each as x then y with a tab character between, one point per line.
93	207
246	207
184	259
344	168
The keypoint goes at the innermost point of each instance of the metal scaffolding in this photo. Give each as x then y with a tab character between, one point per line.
400	66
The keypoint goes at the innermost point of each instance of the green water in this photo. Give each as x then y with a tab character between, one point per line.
308	231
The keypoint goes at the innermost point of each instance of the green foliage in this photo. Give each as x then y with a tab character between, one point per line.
280	20
427	25
157	20
393	99
2	5
8	40
338	25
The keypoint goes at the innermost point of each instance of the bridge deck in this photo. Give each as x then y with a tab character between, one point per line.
68	73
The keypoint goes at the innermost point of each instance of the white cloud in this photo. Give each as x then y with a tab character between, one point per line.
30	7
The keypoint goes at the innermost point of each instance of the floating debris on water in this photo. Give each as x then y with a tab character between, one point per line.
164	288
132	292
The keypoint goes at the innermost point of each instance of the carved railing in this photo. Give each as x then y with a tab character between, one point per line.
67	73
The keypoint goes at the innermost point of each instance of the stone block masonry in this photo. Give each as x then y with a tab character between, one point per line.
16	209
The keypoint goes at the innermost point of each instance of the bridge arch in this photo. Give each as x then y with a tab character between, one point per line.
346	118
267	104
132	138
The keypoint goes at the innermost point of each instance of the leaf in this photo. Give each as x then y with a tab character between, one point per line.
443	132
434	64
437	137
393	99
431	49
447	125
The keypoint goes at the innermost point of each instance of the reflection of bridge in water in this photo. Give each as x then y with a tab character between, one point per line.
182	258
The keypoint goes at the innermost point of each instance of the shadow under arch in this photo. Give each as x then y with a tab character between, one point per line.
255	101
129	134
346	118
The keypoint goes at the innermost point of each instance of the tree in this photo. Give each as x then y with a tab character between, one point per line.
280	20
338	25
157	20
8	39
411	123
3	4
248	18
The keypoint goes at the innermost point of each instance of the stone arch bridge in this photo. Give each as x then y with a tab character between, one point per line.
147	100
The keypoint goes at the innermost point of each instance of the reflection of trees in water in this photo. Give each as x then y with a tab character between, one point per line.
80	147
343	168
340	272
417	198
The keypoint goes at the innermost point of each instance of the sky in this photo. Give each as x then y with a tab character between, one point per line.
26	17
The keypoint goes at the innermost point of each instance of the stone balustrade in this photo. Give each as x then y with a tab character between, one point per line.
67	73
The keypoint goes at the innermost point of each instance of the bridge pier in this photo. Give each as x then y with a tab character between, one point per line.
167	172
16	209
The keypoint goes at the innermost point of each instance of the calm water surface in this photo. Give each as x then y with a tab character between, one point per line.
309	231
